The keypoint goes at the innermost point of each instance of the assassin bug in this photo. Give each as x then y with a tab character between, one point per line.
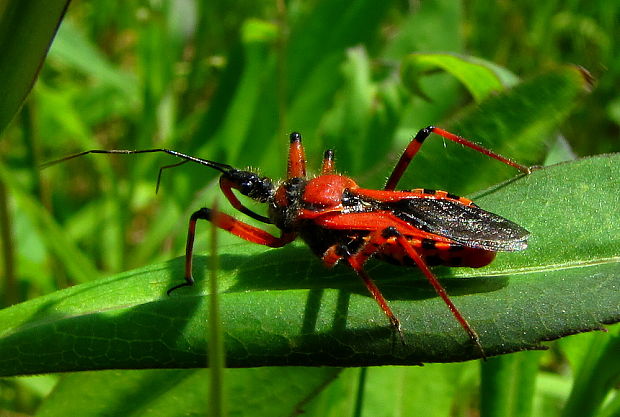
342	222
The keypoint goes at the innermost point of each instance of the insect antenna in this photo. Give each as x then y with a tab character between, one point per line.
161	170
223	168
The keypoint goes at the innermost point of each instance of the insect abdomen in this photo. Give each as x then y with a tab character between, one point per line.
438	253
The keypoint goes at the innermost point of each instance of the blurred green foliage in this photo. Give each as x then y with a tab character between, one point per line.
227	81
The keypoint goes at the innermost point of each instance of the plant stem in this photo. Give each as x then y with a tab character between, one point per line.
215	343
508	384
359	398
597	376
8	255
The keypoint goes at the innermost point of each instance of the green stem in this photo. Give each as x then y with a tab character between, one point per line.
8	255
508	385
359	398
215	342
597	376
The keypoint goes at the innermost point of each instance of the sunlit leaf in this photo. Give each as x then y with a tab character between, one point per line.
281	307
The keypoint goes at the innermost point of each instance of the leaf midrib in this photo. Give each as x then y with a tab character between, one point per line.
548	267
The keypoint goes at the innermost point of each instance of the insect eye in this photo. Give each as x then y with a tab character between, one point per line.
246	187
255	187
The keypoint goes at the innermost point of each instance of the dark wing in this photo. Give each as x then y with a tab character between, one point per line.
468	225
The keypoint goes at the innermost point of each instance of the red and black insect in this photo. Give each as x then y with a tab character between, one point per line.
342	222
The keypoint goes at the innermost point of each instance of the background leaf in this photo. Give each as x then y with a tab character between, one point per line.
480	77
160	390
26	31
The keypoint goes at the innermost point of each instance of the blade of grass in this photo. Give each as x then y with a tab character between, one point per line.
216	359
26	32
359	398
598	375
78	266
258	392
508	384
9	286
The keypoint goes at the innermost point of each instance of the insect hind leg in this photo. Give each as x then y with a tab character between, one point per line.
439	289
415	145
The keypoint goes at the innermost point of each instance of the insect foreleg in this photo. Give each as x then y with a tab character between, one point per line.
232	225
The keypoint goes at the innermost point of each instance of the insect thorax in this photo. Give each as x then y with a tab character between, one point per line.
285	204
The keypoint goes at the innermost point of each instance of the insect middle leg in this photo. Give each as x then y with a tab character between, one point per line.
439	289
385	231
232	225
338	252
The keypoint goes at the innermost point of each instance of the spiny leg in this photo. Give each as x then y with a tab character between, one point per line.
382	230
414	146
232	225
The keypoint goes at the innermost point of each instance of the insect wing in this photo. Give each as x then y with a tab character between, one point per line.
468	225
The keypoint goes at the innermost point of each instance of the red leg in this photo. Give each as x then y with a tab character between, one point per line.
375	240
384	232
335	253
332	256
375	243
439	289
358	267
232	225
416	143
296	157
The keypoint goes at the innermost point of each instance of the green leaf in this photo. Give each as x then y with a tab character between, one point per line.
157	392
26	31
480	77
397	391
281	307
74	49
80	267
508	385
